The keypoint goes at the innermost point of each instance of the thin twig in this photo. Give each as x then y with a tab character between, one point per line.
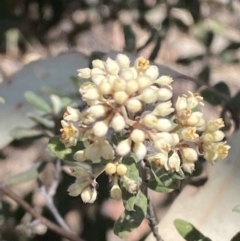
50	194
52	226
153	223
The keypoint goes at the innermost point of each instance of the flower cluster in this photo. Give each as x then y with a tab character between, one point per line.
130	111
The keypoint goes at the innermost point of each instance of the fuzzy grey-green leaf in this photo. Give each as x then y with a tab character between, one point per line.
37	102
58	149
19	133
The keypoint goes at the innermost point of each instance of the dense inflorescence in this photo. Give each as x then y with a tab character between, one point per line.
130	112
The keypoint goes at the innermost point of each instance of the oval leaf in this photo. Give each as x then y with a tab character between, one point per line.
19	133
41	120
37	102
188	231
25	176
211	97
58	149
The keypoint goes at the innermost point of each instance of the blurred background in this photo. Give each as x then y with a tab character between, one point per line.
198	40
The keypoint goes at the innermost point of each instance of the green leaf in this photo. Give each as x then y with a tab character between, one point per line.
37	102
58	149
19	133
223	88
130	220
236	237
164	181
41	120
236	208
25	176
130	39
188	231
56	104
211	97
132	170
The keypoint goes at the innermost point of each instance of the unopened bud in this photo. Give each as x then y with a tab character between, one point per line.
110	168
189	154
137	135
124	147
89	195
164	94
150	120
121	169
118	122
140	150
120	97
134	105
112	66
132	87
116	192
100	128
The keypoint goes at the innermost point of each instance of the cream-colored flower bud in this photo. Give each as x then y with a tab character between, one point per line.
120	97
72	114
164	80
189	154
194	119
163	109
95	111
126	75
105	88
164	94
181	104
131	87
124	147
150	120
89	195
152	72
137	135
214	125
163	124
175	138
174	162
140	150
144	81
100	128
116	192
89	91
112	66
123	60
189	134
110	168
97	63
131	186
134	72
149	95
79	156
118	123
208	137
121	169
97	79
188	167
218	135
84	73
134	105
162	145
119	84
97	71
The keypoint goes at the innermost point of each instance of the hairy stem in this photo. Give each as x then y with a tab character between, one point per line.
52	226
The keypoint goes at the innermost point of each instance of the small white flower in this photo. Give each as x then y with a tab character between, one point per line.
84	73
149	95
164	81
118	123
97	63
163	109
140	150
120	97
188	167
112	66
137	135
189	154
214	125
134	105
163	124
100	128
89	195
124	147
152	72
164	94
123	61
174	162
70	134
72	114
